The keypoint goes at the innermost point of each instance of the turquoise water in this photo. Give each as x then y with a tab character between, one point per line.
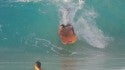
29	32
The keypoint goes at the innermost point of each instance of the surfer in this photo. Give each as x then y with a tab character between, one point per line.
67	34
37	65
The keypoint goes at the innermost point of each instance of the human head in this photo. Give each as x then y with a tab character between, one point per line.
37	65
62	25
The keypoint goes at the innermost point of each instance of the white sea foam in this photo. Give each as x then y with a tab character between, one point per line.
67	0
91	33
85	26
68	11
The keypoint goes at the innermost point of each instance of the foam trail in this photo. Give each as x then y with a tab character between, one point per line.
65	14
93	35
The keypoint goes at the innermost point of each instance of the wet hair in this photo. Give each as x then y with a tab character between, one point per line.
38	64
62	25
66	25
69	24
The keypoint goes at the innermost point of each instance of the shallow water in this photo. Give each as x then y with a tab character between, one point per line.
29	32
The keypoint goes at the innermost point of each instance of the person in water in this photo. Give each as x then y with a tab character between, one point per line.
67	34
37	65
67	29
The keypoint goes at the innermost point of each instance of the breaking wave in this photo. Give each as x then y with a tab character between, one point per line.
85	25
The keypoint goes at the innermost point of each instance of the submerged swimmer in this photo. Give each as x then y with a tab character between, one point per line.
37	65
67	34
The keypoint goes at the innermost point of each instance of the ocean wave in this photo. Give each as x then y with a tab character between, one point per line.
85	25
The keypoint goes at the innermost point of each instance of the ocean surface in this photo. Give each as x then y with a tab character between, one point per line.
29	33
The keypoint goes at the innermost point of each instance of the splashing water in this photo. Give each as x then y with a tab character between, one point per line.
68	11
85	25
91	34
